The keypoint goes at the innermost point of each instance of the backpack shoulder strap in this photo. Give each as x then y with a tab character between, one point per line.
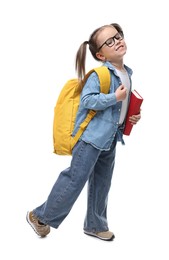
104	78
103	74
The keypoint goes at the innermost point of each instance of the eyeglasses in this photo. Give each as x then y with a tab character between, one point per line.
111	41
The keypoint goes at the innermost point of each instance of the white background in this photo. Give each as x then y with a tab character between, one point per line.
38	44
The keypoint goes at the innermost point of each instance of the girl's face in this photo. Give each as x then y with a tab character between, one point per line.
111	45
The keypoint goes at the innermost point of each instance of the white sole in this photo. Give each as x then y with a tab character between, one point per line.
97	236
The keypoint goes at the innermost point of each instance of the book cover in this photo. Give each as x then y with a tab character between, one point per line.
133	109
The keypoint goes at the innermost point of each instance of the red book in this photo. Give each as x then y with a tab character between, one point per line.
133	109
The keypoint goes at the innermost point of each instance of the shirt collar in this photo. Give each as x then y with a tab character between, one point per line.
111	67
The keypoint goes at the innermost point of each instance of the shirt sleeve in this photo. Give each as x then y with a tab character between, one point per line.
91	98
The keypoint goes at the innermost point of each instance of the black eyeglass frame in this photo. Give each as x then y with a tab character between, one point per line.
120	37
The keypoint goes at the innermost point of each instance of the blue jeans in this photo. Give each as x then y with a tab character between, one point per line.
88	164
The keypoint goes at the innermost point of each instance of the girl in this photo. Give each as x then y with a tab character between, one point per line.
93	157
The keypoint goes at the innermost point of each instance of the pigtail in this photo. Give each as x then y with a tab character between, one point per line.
81	60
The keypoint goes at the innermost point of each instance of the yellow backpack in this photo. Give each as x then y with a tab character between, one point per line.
66	109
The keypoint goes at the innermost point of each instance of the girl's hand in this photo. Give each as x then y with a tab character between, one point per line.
121	93
134	119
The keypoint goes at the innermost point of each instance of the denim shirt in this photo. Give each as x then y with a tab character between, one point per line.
103	128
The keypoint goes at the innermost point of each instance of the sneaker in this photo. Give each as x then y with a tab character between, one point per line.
105	235
41	229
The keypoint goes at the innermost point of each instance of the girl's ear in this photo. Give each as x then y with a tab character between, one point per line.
100	56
